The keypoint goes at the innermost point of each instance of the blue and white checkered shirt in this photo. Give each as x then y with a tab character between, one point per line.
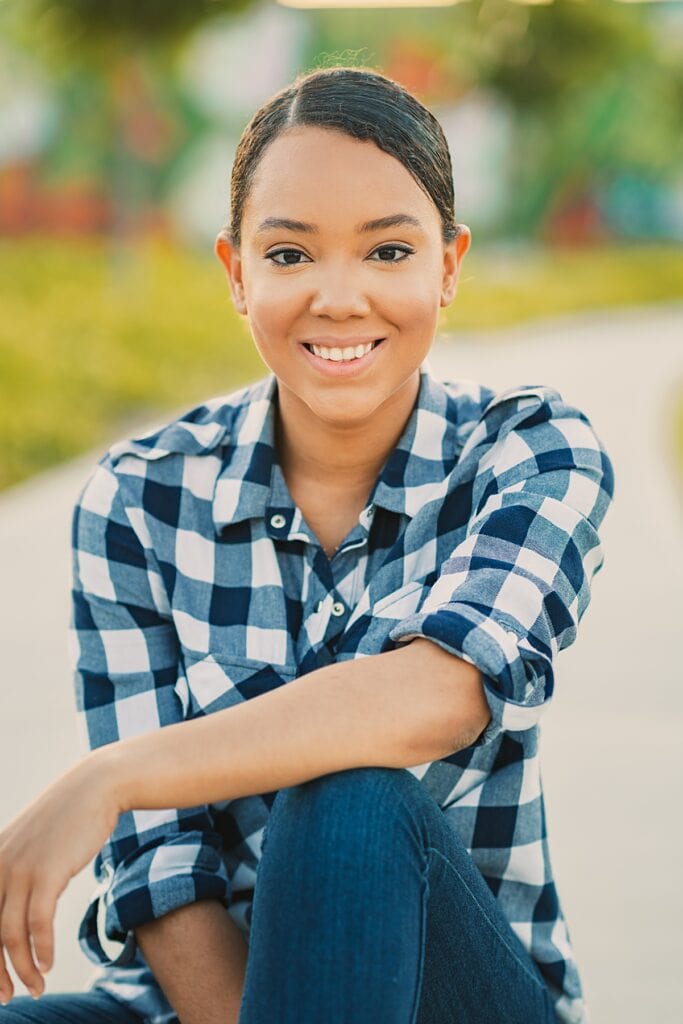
198	584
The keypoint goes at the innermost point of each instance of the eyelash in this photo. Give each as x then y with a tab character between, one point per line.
399	248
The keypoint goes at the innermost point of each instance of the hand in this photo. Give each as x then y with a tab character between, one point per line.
41	849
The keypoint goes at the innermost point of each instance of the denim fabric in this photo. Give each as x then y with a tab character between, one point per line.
68	1008
415	937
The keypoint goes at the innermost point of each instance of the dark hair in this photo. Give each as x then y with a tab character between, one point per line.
364	104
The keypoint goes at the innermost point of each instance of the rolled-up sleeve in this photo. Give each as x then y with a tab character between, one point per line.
512	593
125	656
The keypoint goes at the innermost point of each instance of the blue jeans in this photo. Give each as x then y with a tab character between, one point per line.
67	1008
368	909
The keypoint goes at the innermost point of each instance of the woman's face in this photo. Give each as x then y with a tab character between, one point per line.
332	279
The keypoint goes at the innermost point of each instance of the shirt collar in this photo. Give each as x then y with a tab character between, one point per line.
250	482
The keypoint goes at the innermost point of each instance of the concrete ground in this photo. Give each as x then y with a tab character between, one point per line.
611	738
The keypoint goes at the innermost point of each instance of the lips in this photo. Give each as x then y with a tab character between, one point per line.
341	367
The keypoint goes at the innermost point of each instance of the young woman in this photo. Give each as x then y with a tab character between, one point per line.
315	624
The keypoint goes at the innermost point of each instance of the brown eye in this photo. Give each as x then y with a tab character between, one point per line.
394	248
284	252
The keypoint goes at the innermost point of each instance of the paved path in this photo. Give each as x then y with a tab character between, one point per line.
611	736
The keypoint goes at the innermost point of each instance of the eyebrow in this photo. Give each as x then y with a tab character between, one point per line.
392	221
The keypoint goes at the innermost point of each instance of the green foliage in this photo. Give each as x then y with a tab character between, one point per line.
106	25
96	341
593	93
596	97
91	337
541	54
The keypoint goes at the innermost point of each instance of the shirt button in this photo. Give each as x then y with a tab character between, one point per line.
338	608
277	520
370	510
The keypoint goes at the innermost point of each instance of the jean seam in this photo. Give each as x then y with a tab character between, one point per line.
423	940
541	985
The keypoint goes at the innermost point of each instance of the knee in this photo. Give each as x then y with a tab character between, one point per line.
352	787
342	802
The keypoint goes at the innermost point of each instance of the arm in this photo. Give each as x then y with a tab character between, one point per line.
364	712
167	879
125	656
199	957
512	593
482	646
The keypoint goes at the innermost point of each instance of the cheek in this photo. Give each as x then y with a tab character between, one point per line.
412	295
271	308
415	309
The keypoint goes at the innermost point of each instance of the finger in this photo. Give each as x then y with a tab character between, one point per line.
6	984
41	912
14	933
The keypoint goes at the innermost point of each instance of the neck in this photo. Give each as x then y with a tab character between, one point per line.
344	456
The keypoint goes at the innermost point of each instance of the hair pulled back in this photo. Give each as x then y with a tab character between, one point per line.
364	104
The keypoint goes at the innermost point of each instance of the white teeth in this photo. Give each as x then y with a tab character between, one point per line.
342	354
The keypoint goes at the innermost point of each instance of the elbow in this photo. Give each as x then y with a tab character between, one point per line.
444	740
455	710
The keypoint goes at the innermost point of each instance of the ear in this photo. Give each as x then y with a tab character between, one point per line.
231	260
453	255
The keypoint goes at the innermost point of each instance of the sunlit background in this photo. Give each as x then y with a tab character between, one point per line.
118	125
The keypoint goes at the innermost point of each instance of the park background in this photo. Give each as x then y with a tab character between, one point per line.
118	124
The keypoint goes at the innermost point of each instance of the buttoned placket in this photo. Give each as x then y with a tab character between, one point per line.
333	608
339	610
285	522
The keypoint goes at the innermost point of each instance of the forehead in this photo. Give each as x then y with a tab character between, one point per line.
323	176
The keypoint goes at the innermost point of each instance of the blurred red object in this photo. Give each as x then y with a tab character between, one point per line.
28	206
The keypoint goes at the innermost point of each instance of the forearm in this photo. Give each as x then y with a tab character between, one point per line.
396	709
198	955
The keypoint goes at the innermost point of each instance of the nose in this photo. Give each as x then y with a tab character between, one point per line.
339	294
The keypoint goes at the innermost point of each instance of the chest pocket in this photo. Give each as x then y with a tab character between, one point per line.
211	683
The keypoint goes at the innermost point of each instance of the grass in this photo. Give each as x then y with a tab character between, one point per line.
95	338
91	340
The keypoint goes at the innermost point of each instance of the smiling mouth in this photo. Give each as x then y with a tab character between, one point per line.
340	348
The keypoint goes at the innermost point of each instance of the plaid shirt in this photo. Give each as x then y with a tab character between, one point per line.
198	584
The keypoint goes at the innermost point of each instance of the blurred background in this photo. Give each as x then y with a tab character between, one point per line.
118	125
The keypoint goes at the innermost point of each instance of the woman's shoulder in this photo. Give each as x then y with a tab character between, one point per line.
476	398
476	410
158	455
198	430
500	426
